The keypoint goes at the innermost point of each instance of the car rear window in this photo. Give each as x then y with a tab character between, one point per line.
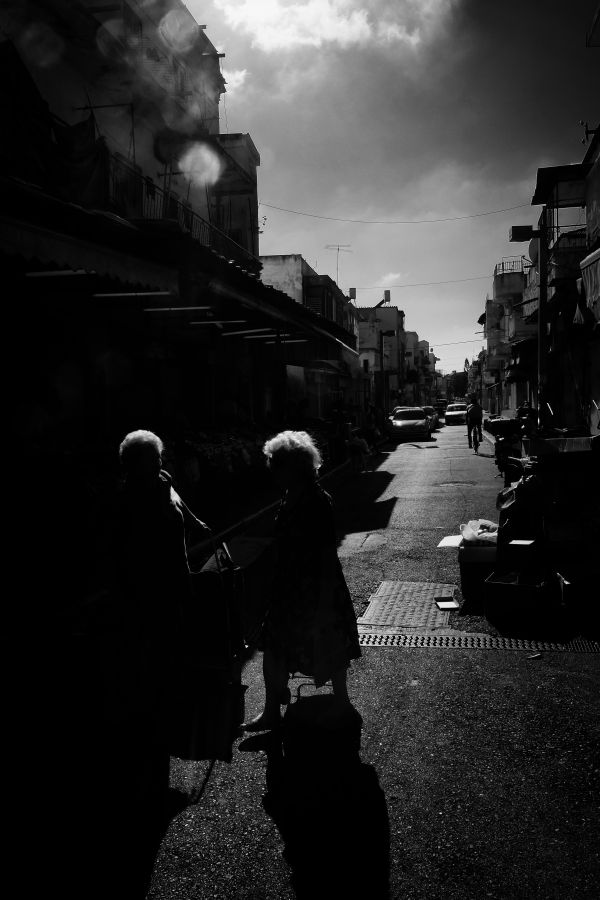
404	415
456	407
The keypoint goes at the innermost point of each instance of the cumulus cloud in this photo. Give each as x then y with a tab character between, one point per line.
235	79
275	25
390	278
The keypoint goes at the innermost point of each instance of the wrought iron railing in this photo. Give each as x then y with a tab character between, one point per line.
508	266
135	196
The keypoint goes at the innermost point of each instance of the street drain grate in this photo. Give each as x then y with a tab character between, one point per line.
405	614
407	604
463	641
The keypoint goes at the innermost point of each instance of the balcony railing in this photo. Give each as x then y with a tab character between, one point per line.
507	266
134	196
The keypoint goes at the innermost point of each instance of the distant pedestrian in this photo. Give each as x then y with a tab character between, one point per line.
358	449
474	421
310	625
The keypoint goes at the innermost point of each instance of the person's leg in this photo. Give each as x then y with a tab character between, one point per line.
276	679
340	685
469	435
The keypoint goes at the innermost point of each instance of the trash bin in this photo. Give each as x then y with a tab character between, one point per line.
518	599
476	563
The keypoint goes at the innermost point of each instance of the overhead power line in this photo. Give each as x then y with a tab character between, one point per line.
378	287
490	212
451	343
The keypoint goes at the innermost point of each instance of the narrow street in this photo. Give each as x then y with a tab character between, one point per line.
479	772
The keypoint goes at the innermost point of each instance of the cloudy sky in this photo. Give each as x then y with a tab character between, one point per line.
399	111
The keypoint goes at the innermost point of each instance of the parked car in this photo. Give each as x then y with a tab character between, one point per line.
456	414
433	416
410	422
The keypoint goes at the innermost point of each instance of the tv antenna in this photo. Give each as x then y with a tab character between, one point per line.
338	247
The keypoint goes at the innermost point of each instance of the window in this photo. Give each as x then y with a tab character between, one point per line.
409	415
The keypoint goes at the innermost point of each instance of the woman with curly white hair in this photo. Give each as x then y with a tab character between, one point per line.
310	626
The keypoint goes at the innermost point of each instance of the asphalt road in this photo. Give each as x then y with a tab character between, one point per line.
478	771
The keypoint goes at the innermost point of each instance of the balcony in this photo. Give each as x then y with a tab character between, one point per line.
134	196
509	266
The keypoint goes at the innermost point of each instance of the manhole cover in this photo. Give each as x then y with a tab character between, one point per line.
462	641
407	604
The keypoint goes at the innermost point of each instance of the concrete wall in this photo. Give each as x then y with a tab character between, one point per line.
285	272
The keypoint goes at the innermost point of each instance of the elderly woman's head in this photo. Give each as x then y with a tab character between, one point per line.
141	455
293	457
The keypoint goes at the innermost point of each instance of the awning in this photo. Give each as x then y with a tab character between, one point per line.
590	273
52	247
561	186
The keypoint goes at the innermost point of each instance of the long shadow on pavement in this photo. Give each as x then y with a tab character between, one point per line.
328	806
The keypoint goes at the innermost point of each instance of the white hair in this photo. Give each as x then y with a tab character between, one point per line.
134	445
295	447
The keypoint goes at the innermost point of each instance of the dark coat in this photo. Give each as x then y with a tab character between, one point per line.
311	622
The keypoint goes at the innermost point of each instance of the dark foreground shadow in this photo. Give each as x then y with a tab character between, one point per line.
96	797
328	806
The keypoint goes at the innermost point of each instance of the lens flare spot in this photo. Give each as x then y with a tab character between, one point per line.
200	165
110	39
178	31
41	46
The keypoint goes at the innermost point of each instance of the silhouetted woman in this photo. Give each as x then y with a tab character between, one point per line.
310	626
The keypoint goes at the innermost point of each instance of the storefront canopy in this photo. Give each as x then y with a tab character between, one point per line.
590	273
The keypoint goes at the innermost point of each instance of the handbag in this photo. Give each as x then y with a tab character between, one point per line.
216	608
210	705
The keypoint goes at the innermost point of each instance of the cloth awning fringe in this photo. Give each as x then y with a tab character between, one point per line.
590	274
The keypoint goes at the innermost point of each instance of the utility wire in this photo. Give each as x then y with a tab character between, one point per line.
490	212
379	287
451	343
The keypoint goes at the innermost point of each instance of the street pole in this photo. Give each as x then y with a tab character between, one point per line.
382	376
541	323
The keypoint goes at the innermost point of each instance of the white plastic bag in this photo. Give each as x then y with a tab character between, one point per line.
480	531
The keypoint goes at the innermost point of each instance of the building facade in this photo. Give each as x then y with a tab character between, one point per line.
322	386
382	349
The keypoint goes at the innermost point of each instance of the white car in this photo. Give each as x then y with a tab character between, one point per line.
409	422
456	414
